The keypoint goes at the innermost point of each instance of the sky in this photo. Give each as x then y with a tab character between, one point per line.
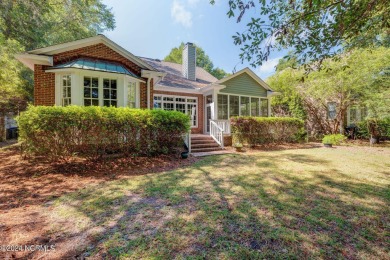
151	28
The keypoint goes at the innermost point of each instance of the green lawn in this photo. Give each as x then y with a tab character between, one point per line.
304	203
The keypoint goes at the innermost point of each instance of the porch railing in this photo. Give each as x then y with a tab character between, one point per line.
224	124
216	132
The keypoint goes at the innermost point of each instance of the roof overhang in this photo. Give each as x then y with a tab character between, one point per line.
31	59
272	93
158	87
72	70
152	73
59	48
212	87
251	74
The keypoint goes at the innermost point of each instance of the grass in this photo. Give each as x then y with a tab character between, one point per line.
307	203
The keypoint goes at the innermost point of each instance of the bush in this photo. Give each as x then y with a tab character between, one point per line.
380	127
260	130
334	139
61	132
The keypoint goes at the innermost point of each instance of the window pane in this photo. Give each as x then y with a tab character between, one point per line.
113	84
331	110
113	103
223	107
87	82
106	93
131	94
87	102
168	98
95	93
180	100
95	82
191	111
66	90
255	109
157	98
113	94
234	105
245	106
264	107
168	106
106	83
87	92
157	105
181	108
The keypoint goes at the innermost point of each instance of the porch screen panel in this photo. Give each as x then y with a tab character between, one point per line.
255	107
234	105
245	106
264	107
222	107
91	91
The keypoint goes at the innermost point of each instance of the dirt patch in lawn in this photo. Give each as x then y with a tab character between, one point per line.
26	186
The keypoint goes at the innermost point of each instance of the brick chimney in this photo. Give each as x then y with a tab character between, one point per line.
189	61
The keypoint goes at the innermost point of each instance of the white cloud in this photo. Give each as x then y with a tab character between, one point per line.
269	65
181	15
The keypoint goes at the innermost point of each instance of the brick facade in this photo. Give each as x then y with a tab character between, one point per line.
199	129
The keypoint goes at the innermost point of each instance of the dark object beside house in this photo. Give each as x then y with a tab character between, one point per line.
12	133
328	145
350	132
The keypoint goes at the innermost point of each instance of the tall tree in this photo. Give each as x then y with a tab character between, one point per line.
202	60
314	29
359	77
37	23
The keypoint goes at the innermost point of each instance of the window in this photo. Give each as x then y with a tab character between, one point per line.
245	111
66	90
91	91
234	104
353	115
182	104
209	99
264	107
223	107
331	110
131	95
255	108
109	92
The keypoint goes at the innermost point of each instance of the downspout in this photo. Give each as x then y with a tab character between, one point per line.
148	92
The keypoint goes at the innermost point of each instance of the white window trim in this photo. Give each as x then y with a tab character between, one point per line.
174	104
77	89
250	104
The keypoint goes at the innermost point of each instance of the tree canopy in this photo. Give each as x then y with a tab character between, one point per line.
37	23
202	60
359	77
26	25
315	30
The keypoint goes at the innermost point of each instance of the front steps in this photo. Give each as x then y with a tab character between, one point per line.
203	143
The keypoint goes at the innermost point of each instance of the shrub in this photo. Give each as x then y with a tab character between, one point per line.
378	127
260	130
334	139
60	132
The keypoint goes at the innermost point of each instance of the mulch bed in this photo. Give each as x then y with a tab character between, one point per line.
26	185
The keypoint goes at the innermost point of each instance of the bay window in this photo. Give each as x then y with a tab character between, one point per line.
66	90
109	92
91	91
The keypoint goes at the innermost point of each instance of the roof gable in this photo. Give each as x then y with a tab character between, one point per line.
64	47
250	73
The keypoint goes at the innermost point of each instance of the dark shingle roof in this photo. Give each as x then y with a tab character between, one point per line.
96	65
174	77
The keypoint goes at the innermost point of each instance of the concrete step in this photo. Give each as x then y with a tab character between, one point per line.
202	141
202	150
204	145
201	137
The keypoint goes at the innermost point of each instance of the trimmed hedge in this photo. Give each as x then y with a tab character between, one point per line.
261	130
61	132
